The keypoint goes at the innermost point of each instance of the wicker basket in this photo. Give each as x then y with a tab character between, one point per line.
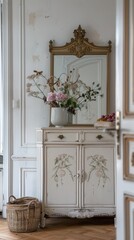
23	214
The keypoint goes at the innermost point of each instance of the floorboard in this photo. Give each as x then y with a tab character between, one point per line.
65	229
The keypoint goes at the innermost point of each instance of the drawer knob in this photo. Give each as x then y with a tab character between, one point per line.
61	136
99	137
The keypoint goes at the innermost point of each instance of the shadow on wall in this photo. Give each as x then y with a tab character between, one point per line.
1	158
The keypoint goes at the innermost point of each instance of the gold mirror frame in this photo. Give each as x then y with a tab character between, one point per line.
80	46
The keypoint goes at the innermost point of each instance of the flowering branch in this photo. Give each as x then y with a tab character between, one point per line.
57	92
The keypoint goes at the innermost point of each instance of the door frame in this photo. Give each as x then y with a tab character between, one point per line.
7	100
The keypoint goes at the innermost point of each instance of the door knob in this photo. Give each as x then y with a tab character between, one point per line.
117	129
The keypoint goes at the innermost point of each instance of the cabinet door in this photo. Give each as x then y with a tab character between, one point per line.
61	180
98	176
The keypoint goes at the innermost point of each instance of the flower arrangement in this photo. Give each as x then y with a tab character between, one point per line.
107	118
64	91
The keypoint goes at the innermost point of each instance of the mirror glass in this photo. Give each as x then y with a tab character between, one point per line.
91	63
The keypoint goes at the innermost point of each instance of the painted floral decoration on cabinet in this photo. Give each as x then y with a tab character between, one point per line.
62	167
97	169
66	91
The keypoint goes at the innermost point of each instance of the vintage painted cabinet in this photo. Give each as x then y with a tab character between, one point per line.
76	171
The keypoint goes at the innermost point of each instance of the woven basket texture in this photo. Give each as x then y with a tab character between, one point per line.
23	214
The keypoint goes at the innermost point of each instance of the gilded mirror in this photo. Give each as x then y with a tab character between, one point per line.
91	62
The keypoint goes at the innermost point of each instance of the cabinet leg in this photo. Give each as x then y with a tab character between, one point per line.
42	220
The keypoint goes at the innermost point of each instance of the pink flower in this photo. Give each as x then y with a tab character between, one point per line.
51	97
61	97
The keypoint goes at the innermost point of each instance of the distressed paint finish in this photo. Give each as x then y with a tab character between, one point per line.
64	166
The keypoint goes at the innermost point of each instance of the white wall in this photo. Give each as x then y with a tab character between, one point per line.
34	24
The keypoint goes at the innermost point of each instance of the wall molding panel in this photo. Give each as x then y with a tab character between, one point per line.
129	216
21	111
24	176
128	157
27	178
128	108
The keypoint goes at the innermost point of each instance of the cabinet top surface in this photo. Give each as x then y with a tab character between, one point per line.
76	128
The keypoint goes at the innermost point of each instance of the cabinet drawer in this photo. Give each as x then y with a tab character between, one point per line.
61	136
98	137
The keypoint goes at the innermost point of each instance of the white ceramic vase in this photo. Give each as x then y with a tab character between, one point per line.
70	118
59	116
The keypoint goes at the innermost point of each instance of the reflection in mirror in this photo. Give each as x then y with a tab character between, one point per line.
92	64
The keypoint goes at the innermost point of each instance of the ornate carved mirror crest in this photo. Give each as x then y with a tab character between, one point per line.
79	46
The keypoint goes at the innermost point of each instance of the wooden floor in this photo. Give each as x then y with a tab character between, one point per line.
65	229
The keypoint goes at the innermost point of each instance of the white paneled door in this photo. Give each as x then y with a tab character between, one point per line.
125	105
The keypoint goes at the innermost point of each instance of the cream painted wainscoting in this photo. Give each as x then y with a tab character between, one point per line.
76	172
25	177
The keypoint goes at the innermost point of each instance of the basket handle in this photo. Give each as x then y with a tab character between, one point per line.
30	203
28	198
12	199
